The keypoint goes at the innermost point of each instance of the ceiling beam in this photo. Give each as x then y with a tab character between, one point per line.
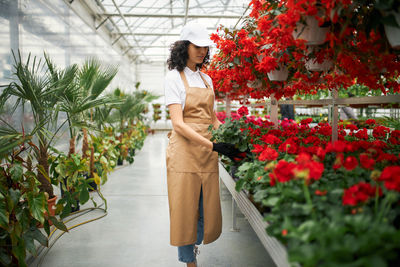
129	29
186	11
146	15
148	34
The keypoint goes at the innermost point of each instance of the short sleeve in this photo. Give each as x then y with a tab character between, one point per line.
172	91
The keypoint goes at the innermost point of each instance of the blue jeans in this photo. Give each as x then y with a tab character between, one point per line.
185	253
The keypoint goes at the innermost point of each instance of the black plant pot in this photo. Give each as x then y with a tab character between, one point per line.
233	172
120	161
73	209
92	184
131	151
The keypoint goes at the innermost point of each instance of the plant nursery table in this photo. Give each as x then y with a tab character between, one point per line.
275	249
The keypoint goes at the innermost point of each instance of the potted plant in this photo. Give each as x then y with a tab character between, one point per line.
69	173
41	91
22	205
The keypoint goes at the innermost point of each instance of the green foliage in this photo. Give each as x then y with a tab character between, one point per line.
22	207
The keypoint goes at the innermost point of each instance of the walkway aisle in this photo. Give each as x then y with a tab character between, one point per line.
135	232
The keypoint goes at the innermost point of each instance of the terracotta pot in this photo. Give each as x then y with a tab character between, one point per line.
279	75
51	203
311	31
393	33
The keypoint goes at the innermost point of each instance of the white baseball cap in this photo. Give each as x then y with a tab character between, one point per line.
196	34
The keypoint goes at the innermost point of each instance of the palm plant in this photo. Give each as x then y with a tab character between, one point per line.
39	87
85	95
131	107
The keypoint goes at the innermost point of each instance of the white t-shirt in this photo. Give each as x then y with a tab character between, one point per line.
175	92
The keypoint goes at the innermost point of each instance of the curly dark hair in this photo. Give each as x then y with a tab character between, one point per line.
179	55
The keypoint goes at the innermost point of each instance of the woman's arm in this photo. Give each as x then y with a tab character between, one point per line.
175	111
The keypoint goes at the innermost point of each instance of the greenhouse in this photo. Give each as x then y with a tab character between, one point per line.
228	133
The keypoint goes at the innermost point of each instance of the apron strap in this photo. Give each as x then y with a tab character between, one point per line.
204	80
185	82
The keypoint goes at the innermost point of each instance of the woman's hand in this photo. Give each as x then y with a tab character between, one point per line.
228	150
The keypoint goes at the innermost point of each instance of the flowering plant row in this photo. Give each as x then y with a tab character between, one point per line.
329	203
277	36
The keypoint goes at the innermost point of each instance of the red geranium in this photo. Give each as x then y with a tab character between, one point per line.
362	134
391	177
370	122
271	139
268	154
367	162
359	193
243	111
350	163
284	171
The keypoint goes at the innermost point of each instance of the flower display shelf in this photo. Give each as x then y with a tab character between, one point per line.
275	249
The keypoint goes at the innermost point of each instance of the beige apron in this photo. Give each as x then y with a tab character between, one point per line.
191	166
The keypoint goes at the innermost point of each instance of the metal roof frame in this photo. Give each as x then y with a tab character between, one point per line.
144	30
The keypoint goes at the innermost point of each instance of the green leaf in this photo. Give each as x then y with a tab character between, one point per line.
84	194
36	206
58	224
5	257
271	201
245	166
19	252
260	195
14	196
239	184
16	172
4	215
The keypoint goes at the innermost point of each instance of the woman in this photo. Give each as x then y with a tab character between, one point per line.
192	164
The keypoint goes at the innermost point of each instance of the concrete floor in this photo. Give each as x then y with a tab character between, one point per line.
136	230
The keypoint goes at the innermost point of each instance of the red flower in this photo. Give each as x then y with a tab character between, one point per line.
366	162
268	154
284	232
284	171
304	162
320	193
351	127
338	161
272	179
306	121
380	132
271	139
350	163
321	153
242	111
370	122
362	134
359	193
391	176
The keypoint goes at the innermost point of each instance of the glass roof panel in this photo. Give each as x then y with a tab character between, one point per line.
150	27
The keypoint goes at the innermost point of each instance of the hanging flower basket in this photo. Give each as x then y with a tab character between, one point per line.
257	83
311	31
235	85
280	74
313	65
393	33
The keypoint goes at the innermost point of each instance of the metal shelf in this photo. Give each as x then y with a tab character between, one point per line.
275	249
